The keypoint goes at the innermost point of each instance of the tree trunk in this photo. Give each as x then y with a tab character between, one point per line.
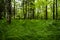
4	8
1	8
46	12
24	9
9	11
14	9
53	9
56	11
33	9
28	9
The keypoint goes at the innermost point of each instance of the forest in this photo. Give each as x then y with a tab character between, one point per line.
29	19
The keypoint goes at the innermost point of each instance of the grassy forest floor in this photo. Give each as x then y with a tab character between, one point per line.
30	30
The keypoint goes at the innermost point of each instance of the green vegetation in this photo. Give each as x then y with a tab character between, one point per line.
29	19
31	30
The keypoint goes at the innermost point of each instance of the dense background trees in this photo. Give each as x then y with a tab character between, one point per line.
41	9
31	9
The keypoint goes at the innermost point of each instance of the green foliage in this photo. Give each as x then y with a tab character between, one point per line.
31	30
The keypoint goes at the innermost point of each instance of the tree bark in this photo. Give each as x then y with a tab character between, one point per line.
1	8
14	9
46	12
53	9
56	11
9	11
24	9
33	9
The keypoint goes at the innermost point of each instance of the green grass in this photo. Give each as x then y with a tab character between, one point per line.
31	30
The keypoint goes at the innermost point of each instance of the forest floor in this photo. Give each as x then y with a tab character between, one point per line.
30	30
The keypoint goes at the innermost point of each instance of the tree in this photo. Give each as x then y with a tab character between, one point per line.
1	8
24	11
53	9
46	11
14	9
31	9
8	11
56	11
28	8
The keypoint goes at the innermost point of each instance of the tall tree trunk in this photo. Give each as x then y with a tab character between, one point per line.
53	9
56	11
9	11
14	9
28	8
33	9
24	9
1	8
4	8
33	13
46	12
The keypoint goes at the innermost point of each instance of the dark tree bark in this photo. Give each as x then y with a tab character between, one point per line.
46	12
53	9
56	11
9	11
32	8
24	9
4	8
1	8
